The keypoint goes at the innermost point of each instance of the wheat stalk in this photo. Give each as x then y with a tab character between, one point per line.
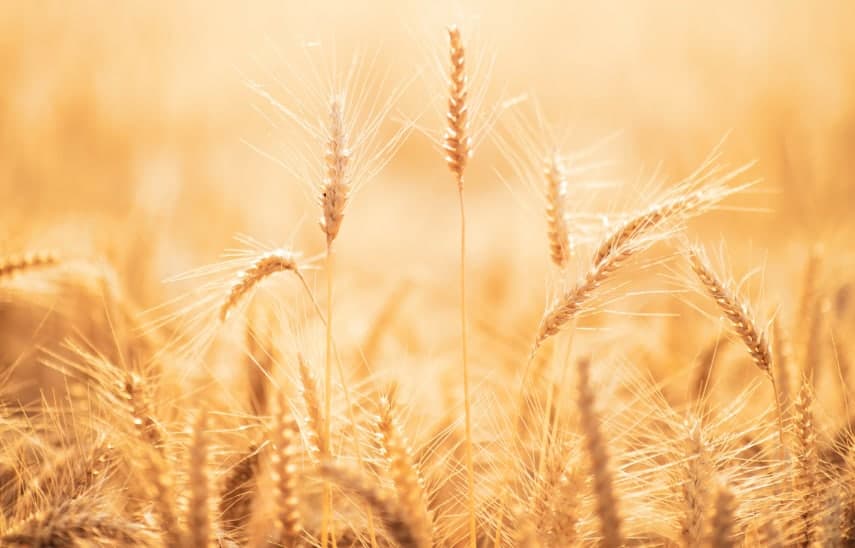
458	149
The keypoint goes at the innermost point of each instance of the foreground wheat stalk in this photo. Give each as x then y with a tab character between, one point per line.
458	148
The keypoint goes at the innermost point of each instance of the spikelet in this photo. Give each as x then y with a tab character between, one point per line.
457	142
14	264
198	518
601	473
806	461
284	476
393	516
735	309
695	487
314	414
723	524
335	187
556	210
406	476
270	262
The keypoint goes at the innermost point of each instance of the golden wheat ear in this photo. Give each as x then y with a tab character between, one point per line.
269	263
392	516
238	494
284	475
598	455
406	475
11	265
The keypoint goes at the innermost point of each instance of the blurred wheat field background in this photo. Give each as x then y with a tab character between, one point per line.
689	385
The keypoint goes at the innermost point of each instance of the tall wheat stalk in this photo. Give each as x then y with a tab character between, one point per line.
333	199
458	148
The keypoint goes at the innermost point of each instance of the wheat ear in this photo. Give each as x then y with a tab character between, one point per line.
458	149
269	263
198	519
284	472
333	199
314	415
237	495
606	501
572	301
406	476
806	465
742	321
556	210
157	465
655	216
695	487
392	515
735	309
723	525
14	264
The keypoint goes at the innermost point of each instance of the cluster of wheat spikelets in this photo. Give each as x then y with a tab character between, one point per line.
133	439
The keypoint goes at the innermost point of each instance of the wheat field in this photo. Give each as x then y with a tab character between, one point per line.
483	274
